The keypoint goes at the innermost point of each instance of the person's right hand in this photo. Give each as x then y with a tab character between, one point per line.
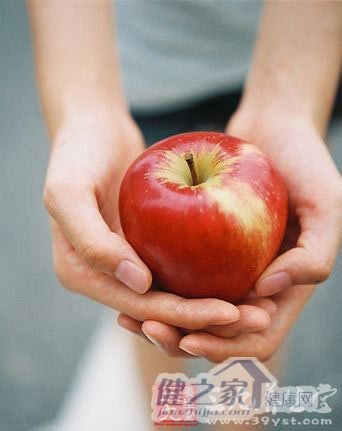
91	257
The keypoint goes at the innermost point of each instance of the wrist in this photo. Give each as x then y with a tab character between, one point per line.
85	106
278	100
258	124
101	116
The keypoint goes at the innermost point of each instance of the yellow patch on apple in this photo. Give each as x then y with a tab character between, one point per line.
249	210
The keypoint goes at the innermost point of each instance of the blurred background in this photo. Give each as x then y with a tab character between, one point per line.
44	330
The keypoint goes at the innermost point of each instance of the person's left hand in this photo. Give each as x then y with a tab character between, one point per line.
306	257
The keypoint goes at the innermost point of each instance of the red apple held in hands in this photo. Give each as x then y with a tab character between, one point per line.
206	212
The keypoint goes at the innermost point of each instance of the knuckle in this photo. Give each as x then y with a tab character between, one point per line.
52	193
322	270
63	278
92	254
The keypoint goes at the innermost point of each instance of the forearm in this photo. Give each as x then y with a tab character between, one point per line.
296	62
76	59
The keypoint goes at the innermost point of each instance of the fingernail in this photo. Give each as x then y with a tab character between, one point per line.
189	350
153	340
132	276
274	283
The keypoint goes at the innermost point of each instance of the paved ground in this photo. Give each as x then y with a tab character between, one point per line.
43	330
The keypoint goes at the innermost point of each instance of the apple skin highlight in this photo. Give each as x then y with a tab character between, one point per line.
212	239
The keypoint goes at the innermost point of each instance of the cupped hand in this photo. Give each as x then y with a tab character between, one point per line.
87	162
306	257
91	257
314	185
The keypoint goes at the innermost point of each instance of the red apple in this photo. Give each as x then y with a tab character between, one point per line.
206	212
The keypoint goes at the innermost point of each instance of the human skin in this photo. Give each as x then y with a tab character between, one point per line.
94	139
284	110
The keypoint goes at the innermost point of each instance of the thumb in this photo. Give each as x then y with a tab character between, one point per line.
77	214
310	262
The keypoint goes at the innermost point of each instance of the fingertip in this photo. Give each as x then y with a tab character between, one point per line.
252	294
266	304
197	344
269	306
202	312
221	312
232	314
132	276
129	324
253	318
272	284
154	340
121	319
189	347
149	326
258	323
190	350
165	336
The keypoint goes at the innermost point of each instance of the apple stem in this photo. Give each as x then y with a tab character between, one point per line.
189	158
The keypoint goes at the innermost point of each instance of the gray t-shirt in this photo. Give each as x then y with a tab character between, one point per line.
176	52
